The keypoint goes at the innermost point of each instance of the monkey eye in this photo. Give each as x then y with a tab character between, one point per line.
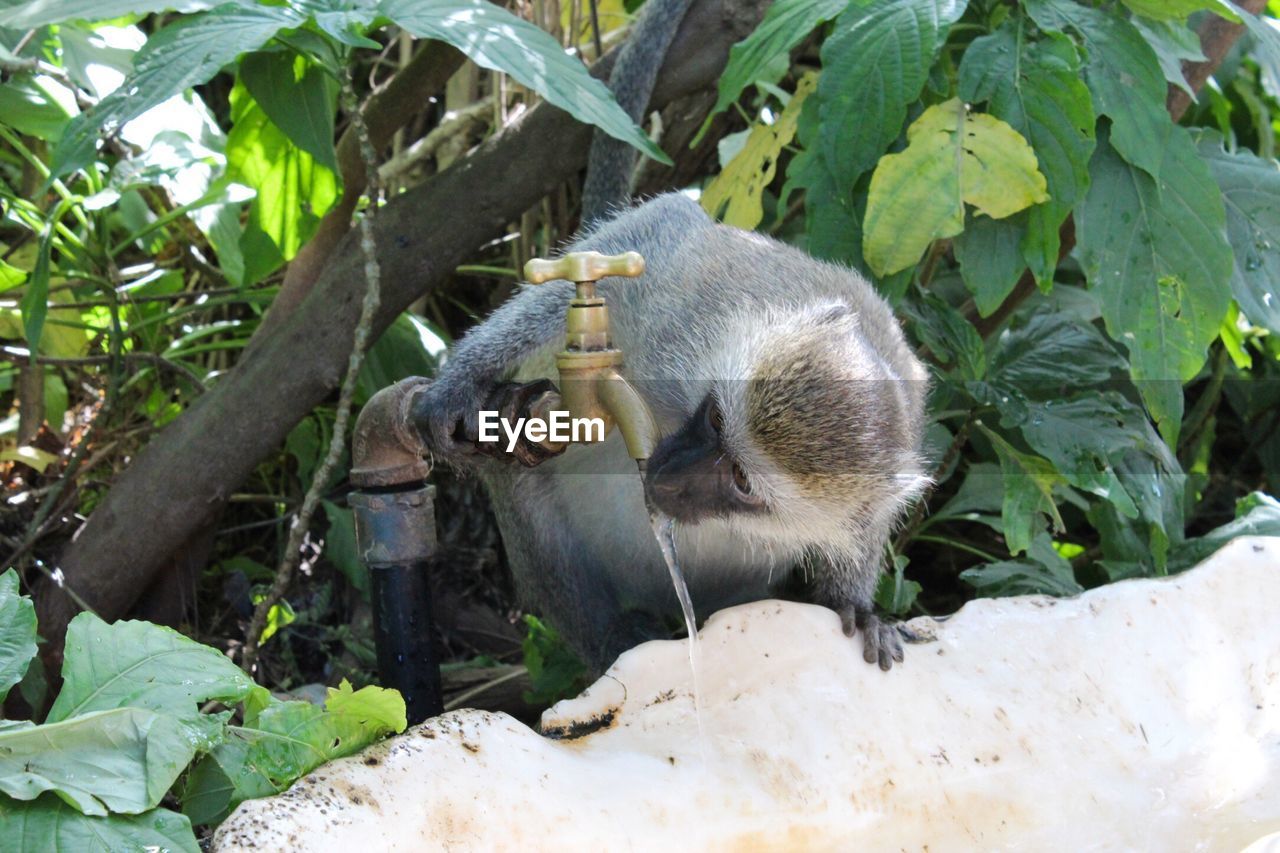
715	417
740	481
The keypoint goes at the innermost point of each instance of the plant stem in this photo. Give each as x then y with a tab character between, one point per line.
337	442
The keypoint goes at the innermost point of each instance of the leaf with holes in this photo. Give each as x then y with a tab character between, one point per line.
953	157
1157	257
1123	74
736	193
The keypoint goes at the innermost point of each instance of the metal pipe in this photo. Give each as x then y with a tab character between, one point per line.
396	538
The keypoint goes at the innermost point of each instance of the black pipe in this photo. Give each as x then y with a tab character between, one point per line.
396	537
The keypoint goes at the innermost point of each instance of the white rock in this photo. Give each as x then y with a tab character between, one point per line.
1144	715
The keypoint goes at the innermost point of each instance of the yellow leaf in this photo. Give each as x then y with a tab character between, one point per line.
737	191
953	157
33	456
611	14
62	337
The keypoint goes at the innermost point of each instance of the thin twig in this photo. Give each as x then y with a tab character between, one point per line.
467	695
149	358
368	310
45	511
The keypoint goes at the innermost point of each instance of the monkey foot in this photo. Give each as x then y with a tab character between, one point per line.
881	640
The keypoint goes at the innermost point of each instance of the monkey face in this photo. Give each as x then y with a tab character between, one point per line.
692	476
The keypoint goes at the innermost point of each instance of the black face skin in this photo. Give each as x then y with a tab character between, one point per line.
692	477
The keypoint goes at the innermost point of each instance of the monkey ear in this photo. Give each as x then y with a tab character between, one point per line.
831	312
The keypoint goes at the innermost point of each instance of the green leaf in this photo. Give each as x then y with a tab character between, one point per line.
895	594
1169	10
1251	192
1035	86
875	63
1050	350
951	337
286	741
990	259
340	547
375	707
1267	51
26	105
1157	257
298	97
952	157
17	632
1028	493
397	354
34	304
123	760
1257	514
278	616
184	54
40	12
496	39
294	190
142	665
785	24
833	224
979	498
50	824
345	20
1047	574
1173	42
554	670
1123	74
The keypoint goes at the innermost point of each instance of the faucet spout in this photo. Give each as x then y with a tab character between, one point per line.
630	412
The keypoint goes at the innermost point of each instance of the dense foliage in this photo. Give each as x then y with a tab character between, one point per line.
1085	254
1094	282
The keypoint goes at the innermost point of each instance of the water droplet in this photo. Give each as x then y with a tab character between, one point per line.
1252	263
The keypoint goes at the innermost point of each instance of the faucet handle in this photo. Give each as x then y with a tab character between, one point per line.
583	266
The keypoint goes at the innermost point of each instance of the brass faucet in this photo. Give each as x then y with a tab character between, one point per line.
591	385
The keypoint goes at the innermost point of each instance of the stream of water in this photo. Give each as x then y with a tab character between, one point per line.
664	528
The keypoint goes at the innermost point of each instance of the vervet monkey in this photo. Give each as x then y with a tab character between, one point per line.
792	410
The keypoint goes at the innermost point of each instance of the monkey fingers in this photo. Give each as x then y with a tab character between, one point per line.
881	640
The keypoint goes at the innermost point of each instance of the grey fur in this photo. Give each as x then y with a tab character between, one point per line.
611	161
712	301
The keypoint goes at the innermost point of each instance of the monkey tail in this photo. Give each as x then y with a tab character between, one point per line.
611	161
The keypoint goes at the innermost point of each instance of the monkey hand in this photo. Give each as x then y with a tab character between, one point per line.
447	415
881	640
